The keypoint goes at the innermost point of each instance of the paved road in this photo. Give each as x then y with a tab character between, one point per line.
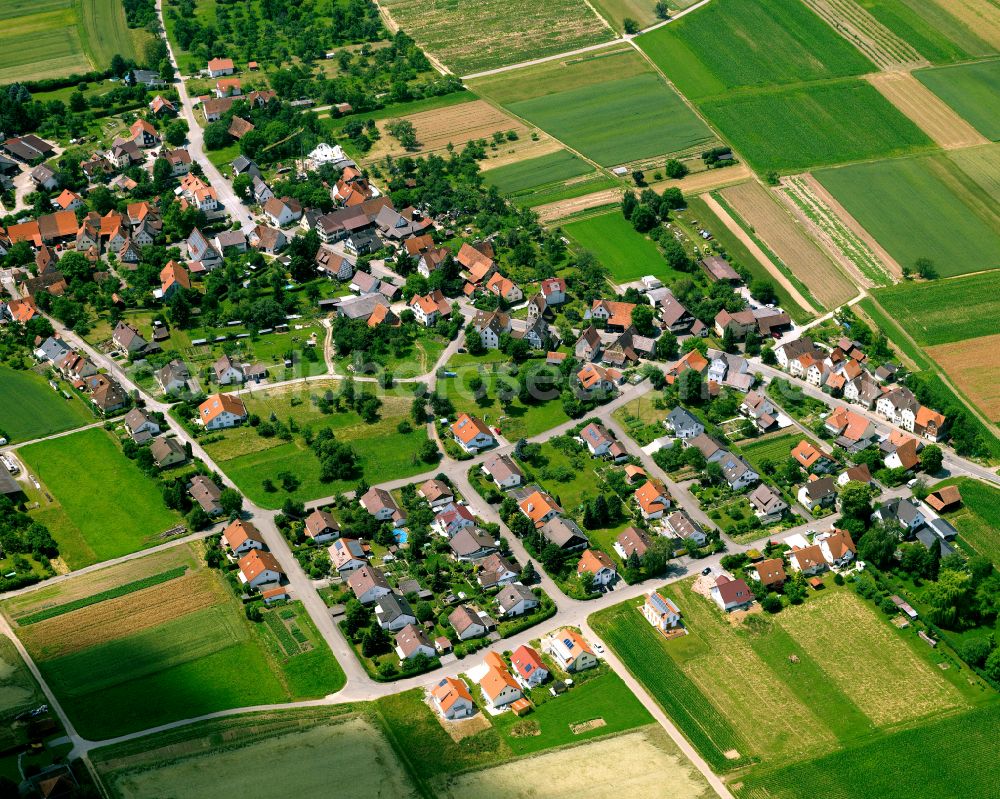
196	145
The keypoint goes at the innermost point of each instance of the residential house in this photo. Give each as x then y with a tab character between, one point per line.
173	278
283	212
808	560
553	289
167	452
411	642
229	241
504	288
469	623
810	458
476	261
452	698
218	67
206	494
683	424
904	456
570	650
737	472
539	507
860	474
470	543
597	439
787	353
436	493
201	250
240	537
817	493
682	526
393	612
229	87
380	504
838	547
529	669
260	568
730	594
660	611
768	505
452	518
769	573
320	526
491	326
929	424
631	540
144	134
617	315
333	265
597	379
588	346
429	308
347	555
220	411
731	371
44	177
903	511
498	685
598	565
653	499
127	340
761	410
708	446
141	425
368	584
516	600
502	470
564	533
472	434
227	372
495	570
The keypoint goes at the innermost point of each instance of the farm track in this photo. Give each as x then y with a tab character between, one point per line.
932	115
872	39
833	233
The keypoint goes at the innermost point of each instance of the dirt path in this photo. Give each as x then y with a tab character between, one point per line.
757	252
828	199
932	115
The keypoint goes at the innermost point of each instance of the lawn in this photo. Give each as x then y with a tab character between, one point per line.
776	449
384	452
29	408
941	311
626	254
732	44
959	222
103	506
619	120
524	176
805	126
306	753
978	520
939	36
972	90
539	28
40	40
897	765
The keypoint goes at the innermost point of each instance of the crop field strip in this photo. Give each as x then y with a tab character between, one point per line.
785	236
836	230
972	90
483	34
40	41
885	49
940	37
972	366
958	220
978	15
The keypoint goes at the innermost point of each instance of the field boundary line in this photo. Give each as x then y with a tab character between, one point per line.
733	226
57	435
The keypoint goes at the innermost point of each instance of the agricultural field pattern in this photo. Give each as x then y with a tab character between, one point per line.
476	399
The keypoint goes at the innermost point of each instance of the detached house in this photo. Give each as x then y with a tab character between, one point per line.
770	573
411	642
597	564
597	439
570	650
472	434
653	499
661	612
347	555
682	526
588	346
516	600
429	308
498	685
529	669
393	612
838	547
818	492
283	212
768	504
452	698
730	594
683	423
320	526
380	504
220	411
240	537
808	560
368	584
259	568
503	471
469	623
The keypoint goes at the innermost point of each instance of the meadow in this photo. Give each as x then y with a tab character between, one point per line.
540	28
853	674
941	311
936	34
626	254
40	40
186	639
731	44
971	90
978	520
957	219
102	506
30	409
105	34
814	125
384	452
615	11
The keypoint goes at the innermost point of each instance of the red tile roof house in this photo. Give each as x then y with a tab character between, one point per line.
411	641
661	612
321	527
597	564
347	555
452	698
240	537
498	685
472	434
220	411
529	670
260	568
731	594
220	66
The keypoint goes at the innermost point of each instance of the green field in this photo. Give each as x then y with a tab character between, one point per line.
925	24
605	697
973	90
521	177
618	121
626	254
29	408
384	452
776	449
946	758
105	507
732	44
959	222
978	520
814	125
941	311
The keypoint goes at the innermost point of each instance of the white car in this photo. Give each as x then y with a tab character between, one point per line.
599	649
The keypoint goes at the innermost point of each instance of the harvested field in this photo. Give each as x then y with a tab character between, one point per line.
85	585
483	34
973	90
977	376
925	108
787	239
117	618
848	242
977	15
644	763
457	125
870	36
868	661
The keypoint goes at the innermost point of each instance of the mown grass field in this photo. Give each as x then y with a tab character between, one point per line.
626	254
29	408
940	311
855	675
734	44
186	639
539	28
383	451
103	506
959	222
814	125
972	90
937	35
978	520
519	178
945	758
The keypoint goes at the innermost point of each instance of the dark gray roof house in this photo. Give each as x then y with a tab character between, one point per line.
684	423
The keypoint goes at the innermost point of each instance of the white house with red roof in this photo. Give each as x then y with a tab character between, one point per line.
529	670
730	594
220	411
472	434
